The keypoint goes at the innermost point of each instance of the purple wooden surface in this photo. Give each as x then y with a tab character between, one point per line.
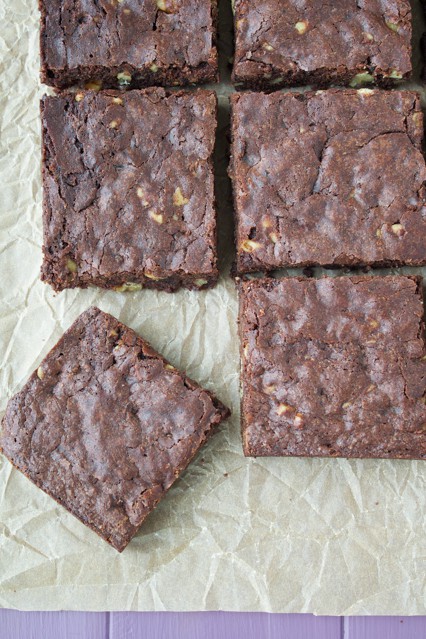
203	625
53	625
222	625
385	628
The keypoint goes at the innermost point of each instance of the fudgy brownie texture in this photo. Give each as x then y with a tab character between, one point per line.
287	43
129	190
333	367
105	425
332	178
128	42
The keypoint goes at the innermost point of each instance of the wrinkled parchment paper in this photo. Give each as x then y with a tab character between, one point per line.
288	535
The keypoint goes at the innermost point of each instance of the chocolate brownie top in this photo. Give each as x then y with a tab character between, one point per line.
147	34
290	37
128	186
105	425
333	367
332	177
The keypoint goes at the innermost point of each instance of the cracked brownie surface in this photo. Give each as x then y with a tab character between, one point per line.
128	192
333	367
291	43
105	425
128	42
333	177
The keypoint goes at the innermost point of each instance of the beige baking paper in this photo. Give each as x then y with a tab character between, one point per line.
288	535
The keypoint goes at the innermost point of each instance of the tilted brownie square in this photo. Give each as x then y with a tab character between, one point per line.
333	367
282	43
127	42
331	178
129	190
105	425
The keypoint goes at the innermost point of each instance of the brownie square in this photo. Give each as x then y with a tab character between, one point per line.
332	178
333	367
128	42
129	190
105	425
285	43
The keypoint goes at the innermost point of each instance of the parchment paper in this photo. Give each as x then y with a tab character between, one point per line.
288	535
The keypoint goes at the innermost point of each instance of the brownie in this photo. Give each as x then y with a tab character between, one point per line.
285	43
128	42
105	425
129	190
333	367
332	178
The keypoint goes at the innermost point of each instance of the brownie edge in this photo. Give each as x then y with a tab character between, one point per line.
105	425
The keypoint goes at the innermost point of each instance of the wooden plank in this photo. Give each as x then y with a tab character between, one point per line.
203	625
222	625
385	628
53	625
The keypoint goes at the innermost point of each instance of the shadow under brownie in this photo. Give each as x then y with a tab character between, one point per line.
280	43
135	44
330	178
105	425
333	367
128	191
